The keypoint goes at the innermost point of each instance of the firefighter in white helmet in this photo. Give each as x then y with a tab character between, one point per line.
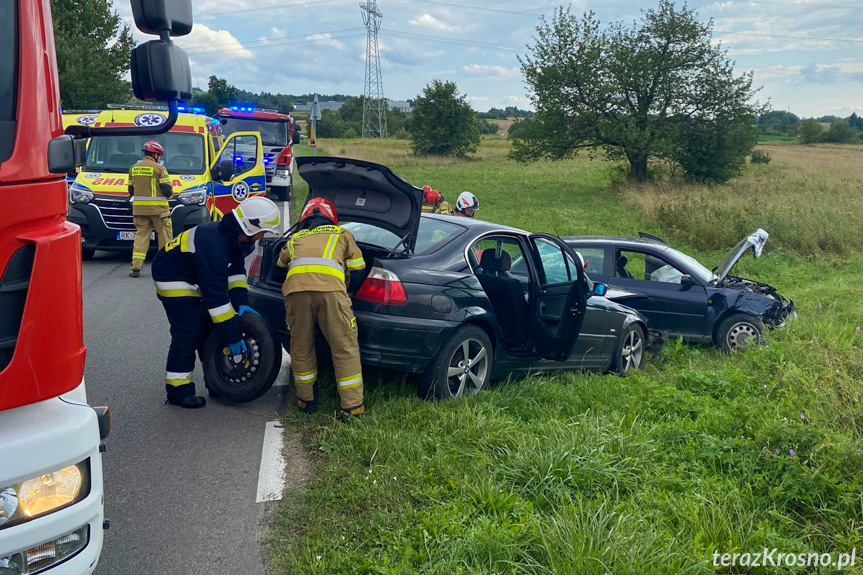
466	205
200	279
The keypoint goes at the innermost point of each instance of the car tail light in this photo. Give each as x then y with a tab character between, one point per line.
255	266
383	286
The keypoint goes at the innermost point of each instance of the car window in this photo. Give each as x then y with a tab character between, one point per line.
552	261
496	245
594	259
431	234
640	266
8	74
244	152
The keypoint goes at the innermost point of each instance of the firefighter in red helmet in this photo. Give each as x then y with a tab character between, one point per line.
434	203
319	258
150	188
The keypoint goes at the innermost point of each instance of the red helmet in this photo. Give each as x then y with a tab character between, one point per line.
426	189
431	197
322	207
154	147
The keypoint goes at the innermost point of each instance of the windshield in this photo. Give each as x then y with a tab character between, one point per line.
8	68
273	133
692	264
184	153
431	234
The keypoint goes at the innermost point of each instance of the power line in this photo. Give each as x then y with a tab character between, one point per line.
268	38
357	35
855	40
273	7
806	5
454	41
482	8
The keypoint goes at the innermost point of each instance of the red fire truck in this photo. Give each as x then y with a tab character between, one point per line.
278	134
51	509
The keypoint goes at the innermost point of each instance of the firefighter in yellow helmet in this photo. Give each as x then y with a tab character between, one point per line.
150	188
320	257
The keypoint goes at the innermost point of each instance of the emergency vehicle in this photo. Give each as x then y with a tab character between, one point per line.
51	491
278	135
209	176
78	118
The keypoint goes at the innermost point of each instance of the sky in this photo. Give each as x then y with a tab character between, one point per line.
807	55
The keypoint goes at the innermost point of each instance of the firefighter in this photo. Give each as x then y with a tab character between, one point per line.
149	188
200	279
434	203
320	258
466	205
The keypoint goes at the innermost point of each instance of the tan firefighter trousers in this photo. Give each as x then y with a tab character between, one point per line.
333	312
143	225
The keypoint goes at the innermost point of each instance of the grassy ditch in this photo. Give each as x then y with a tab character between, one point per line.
580	473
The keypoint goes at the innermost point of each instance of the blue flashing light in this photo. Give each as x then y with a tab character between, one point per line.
198	110
266	160
238	158
234	108
181	108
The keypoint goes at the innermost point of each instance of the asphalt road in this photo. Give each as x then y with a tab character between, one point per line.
181	486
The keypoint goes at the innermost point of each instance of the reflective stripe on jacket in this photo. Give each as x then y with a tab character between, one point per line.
318	259
145	182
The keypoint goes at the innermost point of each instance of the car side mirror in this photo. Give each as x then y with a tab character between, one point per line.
226	170
687	281
160	69
600	289
65	154
153	16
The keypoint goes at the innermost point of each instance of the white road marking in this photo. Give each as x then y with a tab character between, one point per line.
271	479
284	371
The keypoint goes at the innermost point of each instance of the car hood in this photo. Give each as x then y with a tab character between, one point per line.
755	242
366	193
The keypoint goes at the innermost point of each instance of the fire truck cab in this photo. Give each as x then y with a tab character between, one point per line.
51	440
209	176
278	134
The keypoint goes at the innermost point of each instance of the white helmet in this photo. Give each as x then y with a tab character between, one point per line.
466	201
257	215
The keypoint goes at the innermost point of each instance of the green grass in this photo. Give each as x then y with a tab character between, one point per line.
763	138
580	473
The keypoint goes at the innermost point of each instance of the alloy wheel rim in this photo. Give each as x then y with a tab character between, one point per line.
633	350
468	368
740	334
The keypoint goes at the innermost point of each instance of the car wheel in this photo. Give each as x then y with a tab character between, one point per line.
630	350
87	255
737	331
463	366
241	384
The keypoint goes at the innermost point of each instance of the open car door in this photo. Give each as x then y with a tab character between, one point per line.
561	301
238	172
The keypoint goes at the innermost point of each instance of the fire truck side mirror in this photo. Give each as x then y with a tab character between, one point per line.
160	71
153	16
65	154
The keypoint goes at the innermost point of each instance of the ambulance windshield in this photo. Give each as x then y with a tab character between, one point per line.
184	153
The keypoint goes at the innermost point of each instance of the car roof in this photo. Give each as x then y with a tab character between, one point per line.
473	223
121	117
617	241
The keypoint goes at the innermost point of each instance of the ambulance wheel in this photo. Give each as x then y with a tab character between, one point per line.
239	384
87	255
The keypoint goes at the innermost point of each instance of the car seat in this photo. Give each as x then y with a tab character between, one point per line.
185	160
506	296
126	156
622	272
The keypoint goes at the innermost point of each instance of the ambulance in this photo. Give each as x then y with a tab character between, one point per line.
210	176
78	118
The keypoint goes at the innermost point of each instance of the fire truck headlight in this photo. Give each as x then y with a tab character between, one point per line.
51	491
195	198
44	494
8	504
80	195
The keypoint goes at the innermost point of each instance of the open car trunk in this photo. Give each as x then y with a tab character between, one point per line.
366	193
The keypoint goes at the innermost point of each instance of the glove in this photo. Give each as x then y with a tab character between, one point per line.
238	351
246	309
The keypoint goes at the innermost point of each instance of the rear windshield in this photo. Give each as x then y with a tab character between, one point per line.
8	73
273	133
432	233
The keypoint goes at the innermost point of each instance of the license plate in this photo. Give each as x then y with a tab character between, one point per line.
130	236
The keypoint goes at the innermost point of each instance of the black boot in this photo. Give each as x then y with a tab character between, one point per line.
184	396
310	407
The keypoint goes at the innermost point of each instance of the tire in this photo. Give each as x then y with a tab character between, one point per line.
629	355
87	255
248	384
440	382
736	330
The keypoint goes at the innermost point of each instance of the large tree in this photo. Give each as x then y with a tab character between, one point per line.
443	123
632	90
93	53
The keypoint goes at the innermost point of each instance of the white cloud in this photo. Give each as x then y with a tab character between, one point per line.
480	103
494	72
204	43
522	102
432	23
326	40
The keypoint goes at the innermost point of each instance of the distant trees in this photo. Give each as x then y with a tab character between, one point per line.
840	132
443	123
220	94
659	89
777	123
505	114
94	48
809	131
347	121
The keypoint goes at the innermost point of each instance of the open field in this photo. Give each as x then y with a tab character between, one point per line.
648	474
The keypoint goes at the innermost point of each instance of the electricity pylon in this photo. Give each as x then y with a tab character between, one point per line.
374	105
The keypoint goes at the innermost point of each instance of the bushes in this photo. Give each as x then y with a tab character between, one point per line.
759	157
443	123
